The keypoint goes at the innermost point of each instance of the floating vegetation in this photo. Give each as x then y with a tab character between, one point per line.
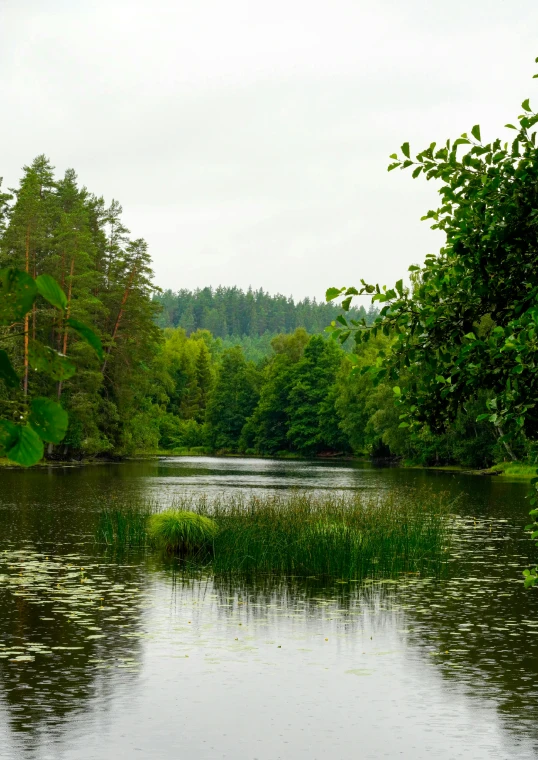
336	535
72	596
184	533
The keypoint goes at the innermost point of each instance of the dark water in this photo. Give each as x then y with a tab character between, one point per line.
108	657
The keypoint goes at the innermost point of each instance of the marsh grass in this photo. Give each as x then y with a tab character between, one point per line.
347	536
125	526
182	532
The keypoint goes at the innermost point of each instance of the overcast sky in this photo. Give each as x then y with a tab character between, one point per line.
248	141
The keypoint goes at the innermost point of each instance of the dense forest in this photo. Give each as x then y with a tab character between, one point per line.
230	372
232	313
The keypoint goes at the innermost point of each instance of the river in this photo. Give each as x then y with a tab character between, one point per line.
106	656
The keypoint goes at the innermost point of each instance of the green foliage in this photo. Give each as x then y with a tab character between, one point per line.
469	322
51	291
45	359
44	420
466	331
48	419
76	292
17	294
230	313
311	407
233	400
181	532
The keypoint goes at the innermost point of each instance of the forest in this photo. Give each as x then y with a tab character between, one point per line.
213	371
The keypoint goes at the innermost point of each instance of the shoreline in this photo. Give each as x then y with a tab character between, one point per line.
505	470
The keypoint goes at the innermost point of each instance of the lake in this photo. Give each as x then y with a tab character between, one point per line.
108	656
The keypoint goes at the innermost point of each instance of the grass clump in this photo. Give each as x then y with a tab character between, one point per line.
184	533
347	536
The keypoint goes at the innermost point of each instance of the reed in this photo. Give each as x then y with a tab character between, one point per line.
124	526
347	536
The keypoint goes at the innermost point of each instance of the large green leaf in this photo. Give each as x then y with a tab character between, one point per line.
54	364
87	334
48	419
17	293
28	449
51	291
9	435
7	373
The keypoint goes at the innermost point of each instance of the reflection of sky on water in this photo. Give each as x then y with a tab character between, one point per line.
200	669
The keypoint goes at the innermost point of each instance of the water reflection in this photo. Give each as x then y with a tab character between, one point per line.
155	659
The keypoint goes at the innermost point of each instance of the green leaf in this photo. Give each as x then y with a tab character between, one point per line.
28	449
7	373
390	167
9	435
511	126
45	359
17	293
416	172
403	425
405	150
475	131
48	419
397	390
86	334
333	293
526	106
51	291
346	303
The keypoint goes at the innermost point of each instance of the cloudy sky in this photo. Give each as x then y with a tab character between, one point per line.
248	141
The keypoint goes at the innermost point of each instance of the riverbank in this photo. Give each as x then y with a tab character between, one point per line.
505	470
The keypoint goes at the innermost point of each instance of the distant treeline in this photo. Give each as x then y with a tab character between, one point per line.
230	312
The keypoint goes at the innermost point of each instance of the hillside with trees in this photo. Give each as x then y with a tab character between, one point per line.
232	313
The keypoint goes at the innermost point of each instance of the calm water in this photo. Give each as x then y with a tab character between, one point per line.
111	657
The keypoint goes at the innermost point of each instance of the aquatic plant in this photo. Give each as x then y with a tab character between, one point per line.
339	535
124	525
182	532
348	536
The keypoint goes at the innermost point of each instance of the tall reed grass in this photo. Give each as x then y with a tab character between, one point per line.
299	533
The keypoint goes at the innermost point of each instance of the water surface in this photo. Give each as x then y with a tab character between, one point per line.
106	656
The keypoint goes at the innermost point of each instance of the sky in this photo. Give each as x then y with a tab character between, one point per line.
248	142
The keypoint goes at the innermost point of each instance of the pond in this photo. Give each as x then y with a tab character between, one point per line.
108	656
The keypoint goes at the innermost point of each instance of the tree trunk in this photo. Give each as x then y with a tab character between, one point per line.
69	292
506	445
26	325
120	315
